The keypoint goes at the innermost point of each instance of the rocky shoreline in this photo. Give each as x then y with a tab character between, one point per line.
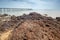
33	26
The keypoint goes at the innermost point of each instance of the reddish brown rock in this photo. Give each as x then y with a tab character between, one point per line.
33	27
36	30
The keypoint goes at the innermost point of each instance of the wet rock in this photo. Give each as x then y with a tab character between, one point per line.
58	18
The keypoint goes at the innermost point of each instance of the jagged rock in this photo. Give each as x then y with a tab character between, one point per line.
35	30
32	16
58	18
33	26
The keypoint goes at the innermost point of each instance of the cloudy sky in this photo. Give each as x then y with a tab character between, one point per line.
35	4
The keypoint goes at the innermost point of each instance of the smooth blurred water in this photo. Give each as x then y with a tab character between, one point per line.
18	12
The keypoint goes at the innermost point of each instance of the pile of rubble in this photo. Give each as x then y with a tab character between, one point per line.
33	27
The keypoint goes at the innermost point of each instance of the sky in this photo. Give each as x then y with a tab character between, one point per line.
34	4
